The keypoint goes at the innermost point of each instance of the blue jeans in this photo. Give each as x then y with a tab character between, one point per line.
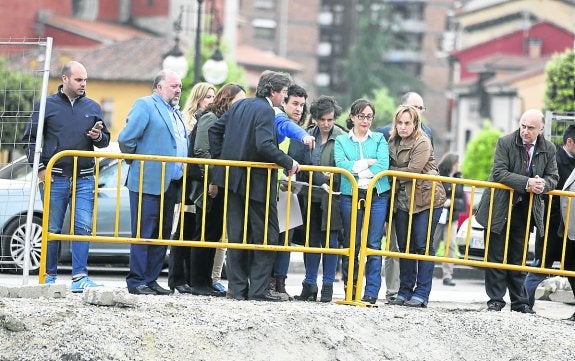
281	264
415	276
60	198
532	281
379	208
317	239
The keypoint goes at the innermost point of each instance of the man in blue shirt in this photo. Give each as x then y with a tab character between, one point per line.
154	126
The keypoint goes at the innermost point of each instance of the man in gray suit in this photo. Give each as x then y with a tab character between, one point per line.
247	132
155	127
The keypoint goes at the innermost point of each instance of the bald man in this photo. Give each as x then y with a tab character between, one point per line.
525	161
72	121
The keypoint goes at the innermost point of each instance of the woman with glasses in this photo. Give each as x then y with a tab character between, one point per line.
363	153
411	151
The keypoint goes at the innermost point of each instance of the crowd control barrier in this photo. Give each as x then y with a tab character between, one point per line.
294	209
473	186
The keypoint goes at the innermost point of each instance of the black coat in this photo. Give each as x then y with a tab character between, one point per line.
247	132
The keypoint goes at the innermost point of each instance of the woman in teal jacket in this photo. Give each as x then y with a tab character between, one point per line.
364	153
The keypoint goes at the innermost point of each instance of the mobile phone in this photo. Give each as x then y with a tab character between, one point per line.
98	125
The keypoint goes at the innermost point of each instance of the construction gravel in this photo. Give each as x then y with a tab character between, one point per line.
185	327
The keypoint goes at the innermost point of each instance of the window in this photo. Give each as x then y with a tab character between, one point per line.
264	29
108	111
264	4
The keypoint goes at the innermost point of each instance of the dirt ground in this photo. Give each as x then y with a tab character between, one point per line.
203	328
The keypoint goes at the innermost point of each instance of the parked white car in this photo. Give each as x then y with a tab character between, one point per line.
15	187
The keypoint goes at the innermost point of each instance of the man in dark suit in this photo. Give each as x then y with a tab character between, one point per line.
154	126
565	157
246	132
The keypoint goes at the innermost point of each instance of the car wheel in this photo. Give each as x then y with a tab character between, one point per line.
13	243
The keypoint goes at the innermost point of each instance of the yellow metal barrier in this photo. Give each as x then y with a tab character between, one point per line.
283	245
488	186
206	163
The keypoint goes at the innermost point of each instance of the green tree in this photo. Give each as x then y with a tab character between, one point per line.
368	67
16	103
479	154
209	43
560	82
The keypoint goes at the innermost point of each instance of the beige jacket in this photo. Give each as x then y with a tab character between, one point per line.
415	155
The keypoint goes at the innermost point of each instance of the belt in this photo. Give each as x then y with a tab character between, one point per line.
362	193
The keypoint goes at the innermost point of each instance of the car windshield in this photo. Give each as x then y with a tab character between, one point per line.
18	170
21	170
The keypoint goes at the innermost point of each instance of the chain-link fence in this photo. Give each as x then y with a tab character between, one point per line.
555	125
24	65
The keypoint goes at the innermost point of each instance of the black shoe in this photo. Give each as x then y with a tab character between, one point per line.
369	299
308	293
141	290
524	309
231	296
415	303
154	286
267	297
206	291
495	306
572	318
448	282
183	289
326	292
396	301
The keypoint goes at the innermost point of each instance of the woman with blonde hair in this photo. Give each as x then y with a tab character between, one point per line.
201	95
410	150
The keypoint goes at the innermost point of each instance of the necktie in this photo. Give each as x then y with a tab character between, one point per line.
527	147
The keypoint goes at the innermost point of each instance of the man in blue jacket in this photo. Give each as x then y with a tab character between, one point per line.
154	126
72	121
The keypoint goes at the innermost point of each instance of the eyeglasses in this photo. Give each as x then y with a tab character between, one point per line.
362	117
421	108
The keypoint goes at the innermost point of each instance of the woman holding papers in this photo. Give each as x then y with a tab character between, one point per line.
364	153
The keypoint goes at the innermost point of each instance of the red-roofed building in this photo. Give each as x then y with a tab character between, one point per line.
497	80
541	40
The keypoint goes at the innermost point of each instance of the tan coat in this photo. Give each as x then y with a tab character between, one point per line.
415	155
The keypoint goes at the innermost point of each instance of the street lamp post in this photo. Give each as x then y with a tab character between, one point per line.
198	55
175	59
215	70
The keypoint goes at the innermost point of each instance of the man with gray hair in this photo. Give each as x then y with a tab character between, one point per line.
247	132
154	126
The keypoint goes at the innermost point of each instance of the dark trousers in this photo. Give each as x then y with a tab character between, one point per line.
146	261
249	271
181	257
202	258
497	281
